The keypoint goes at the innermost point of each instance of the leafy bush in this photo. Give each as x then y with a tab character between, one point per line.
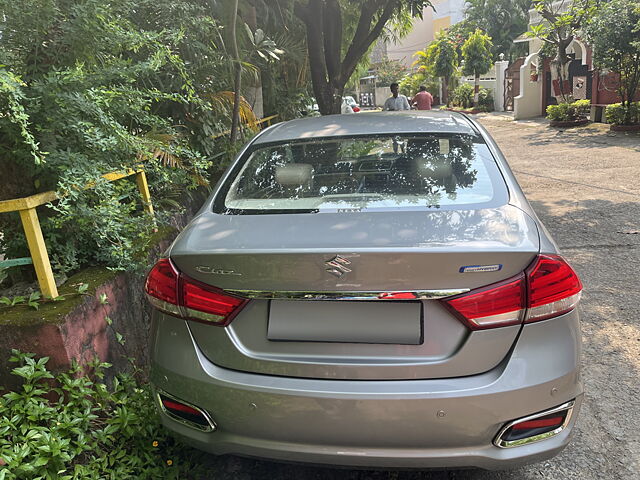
88	431
485	100
615	113
565	112
93	87
462	96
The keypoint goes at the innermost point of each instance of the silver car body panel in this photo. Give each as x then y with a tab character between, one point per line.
225	251
418	251
448	350
342	400
411	423
367	123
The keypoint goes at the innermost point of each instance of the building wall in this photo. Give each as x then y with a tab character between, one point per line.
417	39
447	13
441	23
454	9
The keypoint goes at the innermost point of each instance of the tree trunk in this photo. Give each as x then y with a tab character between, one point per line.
561	64
235	115
476	91
330	71
445	90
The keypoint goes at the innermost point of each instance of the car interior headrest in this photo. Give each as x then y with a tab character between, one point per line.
294	175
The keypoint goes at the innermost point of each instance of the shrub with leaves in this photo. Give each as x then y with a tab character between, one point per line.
564	112
619	114
485	100
462	96
90	87
84	429
614	33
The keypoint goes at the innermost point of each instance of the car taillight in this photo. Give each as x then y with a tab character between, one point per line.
496	305
203	302
553	288
548	288
161	287
175	293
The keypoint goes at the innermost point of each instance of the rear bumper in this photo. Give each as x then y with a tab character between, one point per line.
404	423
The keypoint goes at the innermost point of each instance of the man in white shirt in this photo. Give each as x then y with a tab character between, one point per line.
396	101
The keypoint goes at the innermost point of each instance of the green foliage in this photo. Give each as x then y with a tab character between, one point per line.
562	21
610	30
337	45
440	58
388	72
619	114
31	300
502	20
462	96
410	84
485	100
85	429
476	52
93	87
569	111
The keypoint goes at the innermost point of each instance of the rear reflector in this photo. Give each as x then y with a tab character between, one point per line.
544	422
536	427
185	413
548	288
173	292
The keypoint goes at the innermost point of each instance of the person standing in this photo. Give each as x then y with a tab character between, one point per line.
423	99
396	101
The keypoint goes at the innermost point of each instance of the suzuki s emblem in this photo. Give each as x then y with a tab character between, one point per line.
337	266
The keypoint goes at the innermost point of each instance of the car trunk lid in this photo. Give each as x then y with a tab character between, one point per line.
331	292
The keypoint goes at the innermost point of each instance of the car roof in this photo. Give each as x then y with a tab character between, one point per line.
369	123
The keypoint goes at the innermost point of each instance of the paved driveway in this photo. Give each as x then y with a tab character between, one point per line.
585	186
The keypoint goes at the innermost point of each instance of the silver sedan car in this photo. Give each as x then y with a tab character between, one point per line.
368	290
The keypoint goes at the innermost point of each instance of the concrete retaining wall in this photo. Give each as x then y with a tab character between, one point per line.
76	329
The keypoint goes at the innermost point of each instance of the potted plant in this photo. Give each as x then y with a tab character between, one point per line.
569	114
623	118
534	73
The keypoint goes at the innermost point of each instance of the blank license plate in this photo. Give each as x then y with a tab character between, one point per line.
346	321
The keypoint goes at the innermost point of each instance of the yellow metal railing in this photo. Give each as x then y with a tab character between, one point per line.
26	207
266	120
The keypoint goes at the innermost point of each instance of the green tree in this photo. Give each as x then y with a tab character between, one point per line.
389	71
476	53
340	33
90	87
561	22
502	20
440	60
609	32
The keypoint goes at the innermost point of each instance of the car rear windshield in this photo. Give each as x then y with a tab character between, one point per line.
365	173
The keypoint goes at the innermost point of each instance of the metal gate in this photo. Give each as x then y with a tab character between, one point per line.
512	83
578	73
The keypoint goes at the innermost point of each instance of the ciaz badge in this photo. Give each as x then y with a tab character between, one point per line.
216	271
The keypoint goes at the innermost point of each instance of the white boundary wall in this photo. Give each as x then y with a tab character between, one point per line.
494	81
529	103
